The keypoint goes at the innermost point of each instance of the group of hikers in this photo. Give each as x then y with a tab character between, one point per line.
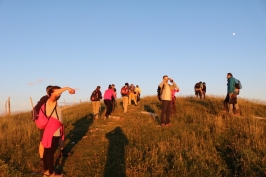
200	89
128	92
48	116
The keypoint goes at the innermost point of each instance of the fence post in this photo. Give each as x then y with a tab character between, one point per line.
8	104
31	102
6	107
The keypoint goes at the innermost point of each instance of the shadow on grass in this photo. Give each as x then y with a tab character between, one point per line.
80	129
149	109
116	163
212	108
231	157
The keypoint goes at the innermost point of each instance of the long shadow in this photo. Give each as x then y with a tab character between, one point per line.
149	109
116	164
213	109
80	129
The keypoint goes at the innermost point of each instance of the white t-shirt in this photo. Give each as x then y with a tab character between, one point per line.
54	116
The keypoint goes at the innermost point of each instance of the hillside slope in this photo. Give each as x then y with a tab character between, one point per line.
202	141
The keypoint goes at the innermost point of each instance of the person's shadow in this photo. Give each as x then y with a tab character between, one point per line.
81	127
116	164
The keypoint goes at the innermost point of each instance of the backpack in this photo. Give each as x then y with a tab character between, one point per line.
197	85
124	90
36	109
42	120
238	84
95	96
159	92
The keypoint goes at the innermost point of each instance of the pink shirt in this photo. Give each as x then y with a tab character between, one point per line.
108	94
173	92
52	126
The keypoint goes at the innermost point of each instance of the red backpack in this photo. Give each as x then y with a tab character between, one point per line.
124	90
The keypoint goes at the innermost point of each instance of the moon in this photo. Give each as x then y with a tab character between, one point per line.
234	34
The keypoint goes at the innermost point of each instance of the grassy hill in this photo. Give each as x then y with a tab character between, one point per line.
202	141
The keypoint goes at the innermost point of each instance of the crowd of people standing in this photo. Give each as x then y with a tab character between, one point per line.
52	135
129	94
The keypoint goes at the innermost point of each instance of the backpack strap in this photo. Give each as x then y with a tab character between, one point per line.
44	112
56	113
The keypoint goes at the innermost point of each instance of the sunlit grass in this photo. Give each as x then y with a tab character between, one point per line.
202	141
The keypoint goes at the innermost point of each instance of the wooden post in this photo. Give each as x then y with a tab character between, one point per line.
8	104
31	102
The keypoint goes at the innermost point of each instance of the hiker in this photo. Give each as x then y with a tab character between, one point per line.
96	96
124	93
165	96
231	97
137	93
54	129
38	107
198	89
203	89
132	95
173	100
108	94
113	98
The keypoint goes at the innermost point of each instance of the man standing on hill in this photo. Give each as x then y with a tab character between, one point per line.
231	97
137	93
165	96
113	98
204	89
198	89
132	95
125	92
96	96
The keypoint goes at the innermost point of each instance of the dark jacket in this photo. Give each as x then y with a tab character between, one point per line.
204	88
98	95
41	102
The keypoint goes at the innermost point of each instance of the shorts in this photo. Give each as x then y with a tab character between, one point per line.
198	92
232	99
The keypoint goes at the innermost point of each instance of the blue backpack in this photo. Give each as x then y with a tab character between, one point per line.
238	84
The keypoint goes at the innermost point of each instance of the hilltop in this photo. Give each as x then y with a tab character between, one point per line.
202	141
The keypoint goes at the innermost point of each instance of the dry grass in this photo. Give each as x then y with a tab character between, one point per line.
202	141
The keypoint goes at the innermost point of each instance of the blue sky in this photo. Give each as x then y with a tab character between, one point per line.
83	44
